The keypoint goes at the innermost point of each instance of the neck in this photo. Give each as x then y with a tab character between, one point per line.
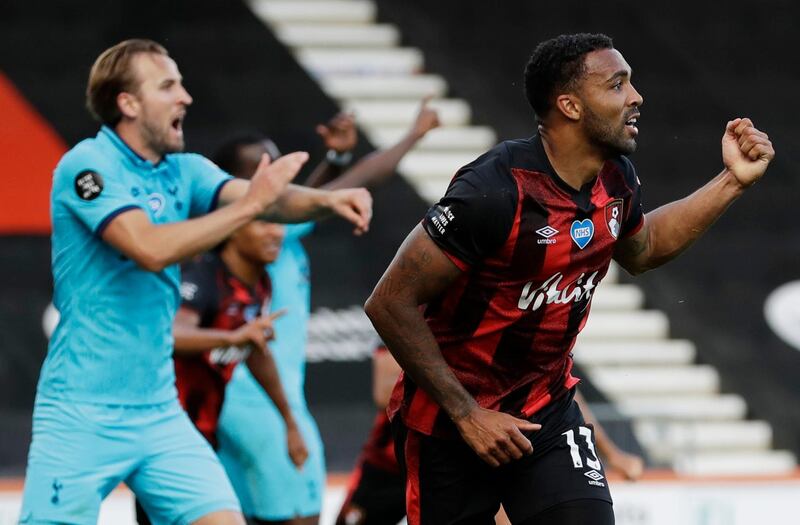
132	136
573	158
242	268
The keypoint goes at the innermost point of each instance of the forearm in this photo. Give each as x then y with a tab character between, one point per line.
299	204
323	173
376	167
672	228
265	371
194	340
408	337
156	246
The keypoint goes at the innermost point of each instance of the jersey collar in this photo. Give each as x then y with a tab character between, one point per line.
127	151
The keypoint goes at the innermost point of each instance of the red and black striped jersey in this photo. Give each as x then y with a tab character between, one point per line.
532	250
224	302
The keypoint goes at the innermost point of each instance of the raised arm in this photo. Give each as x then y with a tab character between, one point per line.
378	166
672	228
420	272
299	204
156	246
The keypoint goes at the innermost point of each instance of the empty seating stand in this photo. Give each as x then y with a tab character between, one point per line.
679	414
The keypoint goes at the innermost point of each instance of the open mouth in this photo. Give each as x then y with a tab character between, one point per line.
177	124
630	124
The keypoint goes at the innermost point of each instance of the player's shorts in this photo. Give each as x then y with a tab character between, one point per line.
80	452
252	448
375	497
447	483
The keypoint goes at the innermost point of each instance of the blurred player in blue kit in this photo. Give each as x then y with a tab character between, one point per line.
127	206
271	489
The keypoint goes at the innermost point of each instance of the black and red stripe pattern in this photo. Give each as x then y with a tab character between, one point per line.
532	250
223	302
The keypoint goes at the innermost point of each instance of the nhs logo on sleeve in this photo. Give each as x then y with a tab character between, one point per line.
582	232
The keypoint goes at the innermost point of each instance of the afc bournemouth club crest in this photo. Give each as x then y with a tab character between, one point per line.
614	217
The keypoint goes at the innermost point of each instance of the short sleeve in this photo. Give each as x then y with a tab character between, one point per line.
634	217
198	289
207	180
476	214
91	189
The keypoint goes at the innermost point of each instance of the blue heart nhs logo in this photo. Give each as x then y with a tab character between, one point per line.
582	232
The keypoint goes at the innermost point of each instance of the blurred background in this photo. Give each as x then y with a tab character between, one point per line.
695	366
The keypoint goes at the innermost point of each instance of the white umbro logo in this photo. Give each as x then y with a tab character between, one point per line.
546	232
593	475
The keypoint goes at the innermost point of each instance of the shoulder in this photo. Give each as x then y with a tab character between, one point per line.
198	276
486	179
193	161
88	154
626	169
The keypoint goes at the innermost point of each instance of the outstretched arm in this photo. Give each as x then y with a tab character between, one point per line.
156	246
378	166
672	228
339	136
420	272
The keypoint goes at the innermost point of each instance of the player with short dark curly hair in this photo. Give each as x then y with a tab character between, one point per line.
507	263
558	64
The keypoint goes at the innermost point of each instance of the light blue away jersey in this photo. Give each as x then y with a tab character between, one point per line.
113	343
291	289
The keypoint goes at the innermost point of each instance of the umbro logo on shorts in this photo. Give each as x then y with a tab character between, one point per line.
594	478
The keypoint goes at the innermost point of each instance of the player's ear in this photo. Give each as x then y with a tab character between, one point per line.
570	106
128	104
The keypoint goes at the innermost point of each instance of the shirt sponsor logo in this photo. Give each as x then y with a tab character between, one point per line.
550	291
188	291
547	232
614	217
226	355
88	185
582	232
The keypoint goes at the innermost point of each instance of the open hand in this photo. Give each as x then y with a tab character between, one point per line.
257	332
271	178
496	437
746	151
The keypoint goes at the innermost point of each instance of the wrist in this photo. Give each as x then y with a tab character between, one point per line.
732	183
338	158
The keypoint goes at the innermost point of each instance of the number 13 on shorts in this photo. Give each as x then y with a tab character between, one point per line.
577	461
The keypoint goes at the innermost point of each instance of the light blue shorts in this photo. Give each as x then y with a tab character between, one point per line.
81	452
252	448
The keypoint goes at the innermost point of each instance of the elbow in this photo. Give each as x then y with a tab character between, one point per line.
151	260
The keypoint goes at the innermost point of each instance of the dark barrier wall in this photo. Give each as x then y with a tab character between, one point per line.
697	65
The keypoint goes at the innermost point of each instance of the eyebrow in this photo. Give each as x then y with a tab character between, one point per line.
622	73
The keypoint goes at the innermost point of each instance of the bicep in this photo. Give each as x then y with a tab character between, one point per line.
631	252
420	271
126	231
186	318
234	189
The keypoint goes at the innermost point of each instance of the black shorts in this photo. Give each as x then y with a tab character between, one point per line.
375	497
447	483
